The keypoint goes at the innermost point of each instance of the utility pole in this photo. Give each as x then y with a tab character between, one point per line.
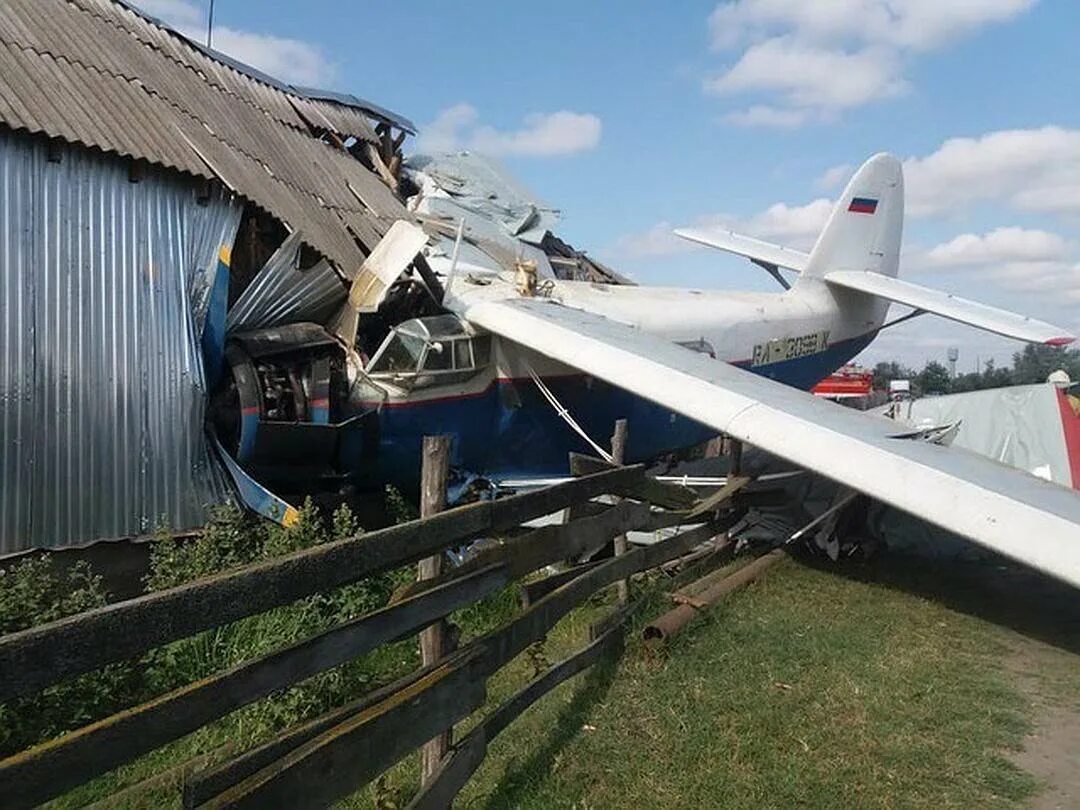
210	26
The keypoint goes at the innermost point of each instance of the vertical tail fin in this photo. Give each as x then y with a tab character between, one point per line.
865	227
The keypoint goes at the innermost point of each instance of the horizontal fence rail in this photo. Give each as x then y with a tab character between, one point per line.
289	778
40	656
322	760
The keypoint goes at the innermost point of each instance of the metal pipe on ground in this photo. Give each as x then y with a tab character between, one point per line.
664	627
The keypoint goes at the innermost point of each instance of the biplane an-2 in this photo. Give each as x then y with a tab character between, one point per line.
521	369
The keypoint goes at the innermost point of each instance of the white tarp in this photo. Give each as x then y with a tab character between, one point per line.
1020	426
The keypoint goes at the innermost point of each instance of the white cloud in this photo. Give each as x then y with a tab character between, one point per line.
809	78
1030	169
1055	282
541	134
177	13
653	242
1013	259
290	60
792	226
762	115
999	246
918	24
444	134
834	177
816	59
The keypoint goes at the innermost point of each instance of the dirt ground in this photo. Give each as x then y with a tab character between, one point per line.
1049	676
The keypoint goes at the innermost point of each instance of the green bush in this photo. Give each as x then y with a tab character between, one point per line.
233	538
36	591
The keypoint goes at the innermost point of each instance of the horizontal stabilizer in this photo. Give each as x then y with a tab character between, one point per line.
950	306
753	249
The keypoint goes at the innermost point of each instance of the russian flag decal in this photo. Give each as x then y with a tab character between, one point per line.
863	205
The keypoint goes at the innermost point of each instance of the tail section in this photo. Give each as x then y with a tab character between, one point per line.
859	251
866	225
857	257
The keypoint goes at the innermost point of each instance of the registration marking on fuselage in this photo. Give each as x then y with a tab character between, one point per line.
790	348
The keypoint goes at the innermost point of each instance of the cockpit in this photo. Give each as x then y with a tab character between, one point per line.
438	350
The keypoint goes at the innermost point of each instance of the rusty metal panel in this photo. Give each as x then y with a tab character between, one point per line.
102	392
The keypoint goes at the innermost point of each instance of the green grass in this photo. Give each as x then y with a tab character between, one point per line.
806	690
811	688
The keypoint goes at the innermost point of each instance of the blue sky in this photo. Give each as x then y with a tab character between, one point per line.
640	116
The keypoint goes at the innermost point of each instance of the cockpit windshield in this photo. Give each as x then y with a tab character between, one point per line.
439	350
400	354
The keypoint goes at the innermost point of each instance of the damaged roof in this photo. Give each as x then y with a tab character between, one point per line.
96	73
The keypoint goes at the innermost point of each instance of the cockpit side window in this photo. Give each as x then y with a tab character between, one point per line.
438	357
462	355
481	347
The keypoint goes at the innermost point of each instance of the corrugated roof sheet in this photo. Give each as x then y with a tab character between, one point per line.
96	73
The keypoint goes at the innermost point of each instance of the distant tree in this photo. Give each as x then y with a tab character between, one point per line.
972	381
1035	362
885	372
993	377
933	379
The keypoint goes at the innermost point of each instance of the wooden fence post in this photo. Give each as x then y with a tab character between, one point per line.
618	454
735	467
434	641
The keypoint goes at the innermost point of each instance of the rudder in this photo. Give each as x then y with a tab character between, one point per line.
864	230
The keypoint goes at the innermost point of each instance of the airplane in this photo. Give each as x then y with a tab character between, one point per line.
522	369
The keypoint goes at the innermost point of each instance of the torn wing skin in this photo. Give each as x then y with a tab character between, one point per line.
950	306
1016	514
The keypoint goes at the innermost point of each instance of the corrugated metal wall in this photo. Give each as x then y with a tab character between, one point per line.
102	393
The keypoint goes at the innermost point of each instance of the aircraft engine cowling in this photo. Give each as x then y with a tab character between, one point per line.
282	409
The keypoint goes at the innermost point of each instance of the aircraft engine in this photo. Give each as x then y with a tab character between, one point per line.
282	410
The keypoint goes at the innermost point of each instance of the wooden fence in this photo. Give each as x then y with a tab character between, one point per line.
317	762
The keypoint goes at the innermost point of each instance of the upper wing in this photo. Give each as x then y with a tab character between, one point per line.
753	249
1017	514
949	306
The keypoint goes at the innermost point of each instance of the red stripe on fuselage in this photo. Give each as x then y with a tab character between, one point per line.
1070	422
744	364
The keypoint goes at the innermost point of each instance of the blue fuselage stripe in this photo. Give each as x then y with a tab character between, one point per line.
510	430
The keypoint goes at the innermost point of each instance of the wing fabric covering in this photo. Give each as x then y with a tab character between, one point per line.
1019	515
949	306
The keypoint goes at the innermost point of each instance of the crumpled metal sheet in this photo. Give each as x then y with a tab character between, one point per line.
102	391
457	184
282	293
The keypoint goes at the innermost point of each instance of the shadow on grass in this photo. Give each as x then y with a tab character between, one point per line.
993	589
520	779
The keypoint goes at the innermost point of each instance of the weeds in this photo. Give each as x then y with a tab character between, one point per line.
36	591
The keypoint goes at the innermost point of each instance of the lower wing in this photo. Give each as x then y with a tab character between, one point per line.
1009	511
